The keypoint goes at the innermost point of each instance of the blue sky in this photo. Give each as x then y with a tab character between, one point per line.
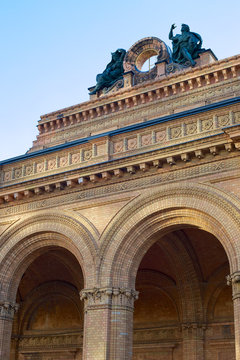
52	50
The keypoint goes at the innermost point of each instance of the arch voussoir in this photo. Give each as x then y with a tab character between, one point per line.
167	208
33	235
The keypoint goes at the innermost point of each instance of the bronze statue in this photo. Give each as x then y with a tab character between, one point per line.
186	46
112	73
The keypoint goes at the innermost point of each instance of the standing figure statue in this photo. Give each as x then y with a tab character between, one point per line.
112	73
186	46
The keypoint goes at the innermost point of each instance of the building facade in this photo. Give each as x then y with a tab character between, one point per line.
120	228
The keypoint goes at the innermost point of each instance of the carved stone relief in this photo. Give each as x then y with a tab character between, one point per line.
108	297
7	310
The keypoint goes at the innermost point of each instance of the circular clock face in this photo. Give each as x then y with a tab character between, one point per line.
143	55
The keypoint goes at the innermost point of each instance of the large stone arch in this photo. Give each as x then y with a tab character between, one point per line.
131	232
29	237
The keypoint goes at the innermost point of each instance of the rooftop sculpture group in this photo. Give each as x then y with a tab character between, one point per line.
112	73
186	48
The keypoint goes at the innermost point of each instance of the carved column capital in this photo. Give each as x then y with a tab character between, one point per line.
7	310
193	326
234	280
193	330
108	297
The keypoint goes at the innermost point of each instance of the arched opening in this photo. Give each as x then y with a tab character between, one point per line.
49	322
146	60
185	306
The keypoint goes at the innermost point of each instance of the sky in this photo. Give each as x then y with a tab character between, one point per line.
52	50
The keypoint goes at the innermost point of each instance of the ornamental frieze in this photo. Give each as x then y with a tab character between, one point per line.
114	147
156	334
143	110
50	341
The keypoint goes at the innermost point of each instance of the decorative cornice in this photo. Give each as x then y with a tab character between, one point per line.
125	155
7	310
147	109
133	181
108	297
186	85
122	130
218	66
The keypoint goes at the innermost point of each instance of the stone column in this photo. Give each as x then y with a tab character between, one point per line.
193	341
7	311
234	280
108	323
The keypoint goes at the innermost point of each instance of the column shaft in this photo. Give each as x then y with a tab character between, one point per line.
108	323
193	341
96	334
234	280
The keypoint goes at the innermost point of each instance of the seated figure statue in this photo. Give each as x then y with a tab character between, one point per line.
186	46
112	73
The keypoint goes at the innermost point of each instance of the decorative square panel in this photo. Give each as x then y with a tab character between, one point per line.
18	173
132	143
146	139
118	146
223	120
63	161
87	155
7	176
160	135
40	167
52	164
29	170
191	128
176	132
75	158
207	124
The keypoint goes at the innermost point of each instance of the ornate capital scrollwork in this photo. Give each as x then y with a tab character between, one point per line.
193	329
193	326
234	280
7	310
108	297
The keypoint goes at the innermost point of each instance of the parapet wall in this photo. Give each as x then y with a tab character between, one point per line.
166	94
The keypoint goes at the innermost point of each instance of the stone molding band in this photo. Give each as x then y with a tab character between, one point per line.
7	310
109	297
